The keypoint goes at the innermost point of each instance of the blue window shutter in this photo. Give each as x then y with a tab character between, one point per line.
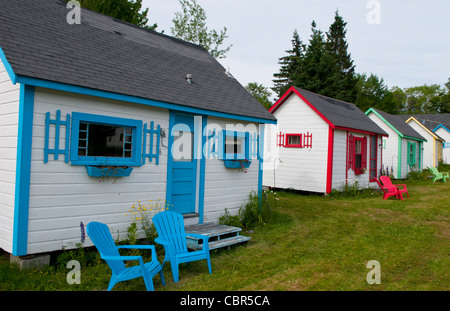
58	123
213	144
153	145
253	145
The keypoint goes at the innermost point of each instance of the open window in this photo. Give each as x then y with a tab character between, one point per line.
236	145
293	141
357	154
103	140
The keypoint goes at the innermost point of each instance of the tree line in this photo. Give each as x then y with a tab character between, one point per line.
322	66
325	66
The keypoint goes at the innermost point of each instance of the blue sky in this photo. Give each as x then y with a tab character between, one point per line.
410	45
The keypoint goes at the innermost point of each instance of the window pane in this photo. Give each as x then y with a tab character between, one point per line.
373	149
294	140
234	145
357	161
105	141
229	145
357	146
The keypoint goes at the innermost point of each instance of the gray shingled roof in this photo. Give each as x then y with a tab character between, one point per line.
399	123
110	55
431	121
340	113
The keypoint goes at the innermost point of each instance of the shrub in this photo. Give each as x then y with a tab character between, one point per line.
416	174
252	212
141	219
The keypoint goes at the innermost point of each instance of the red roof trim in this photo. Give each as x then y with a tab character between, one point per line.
288	94
358	131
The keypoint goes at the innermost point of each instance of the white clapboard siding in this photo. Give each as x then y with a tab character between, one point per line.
445	134
63	195
389	146
227	188
9	112
429	147
301	168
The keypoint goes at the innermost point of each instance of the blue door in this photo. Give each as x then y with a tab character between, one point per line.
182	165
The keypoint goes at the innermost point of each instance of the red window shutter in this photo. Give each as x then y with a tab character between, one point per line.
280	140
364	153
351	152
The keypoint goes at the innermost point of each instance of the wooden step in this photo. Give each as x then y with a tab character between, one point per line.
219	236
226	242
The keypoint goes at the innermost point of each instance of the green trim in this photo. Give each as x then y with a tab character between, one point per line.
384	120
391	126
420	155
399	159
413	138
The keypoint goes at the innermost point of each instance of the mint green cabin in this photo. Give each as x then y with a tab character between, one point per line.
402	151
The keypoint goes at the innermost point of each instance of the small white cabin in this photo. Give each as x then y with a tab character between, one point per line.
320	144
433	147
444	132
98	116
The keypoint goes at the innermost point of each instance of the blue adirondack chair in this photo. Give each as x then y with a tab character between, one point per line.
171	234
101	236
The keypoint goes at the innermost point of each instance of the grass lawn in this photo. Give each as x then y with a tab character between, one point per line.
312	243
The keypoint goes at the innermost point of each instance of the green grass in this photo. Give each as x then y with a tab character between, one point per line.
311	243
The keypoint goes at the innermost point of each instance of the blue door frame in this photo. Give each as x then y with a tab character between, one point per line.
185	170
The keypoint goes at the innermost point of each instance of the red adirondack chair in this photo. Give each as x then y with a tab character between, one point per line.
388	191
392	189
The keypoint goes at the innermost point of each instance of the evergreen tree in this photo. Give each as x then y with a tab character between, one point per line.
324	66
342	80
291	66
317	65
126	10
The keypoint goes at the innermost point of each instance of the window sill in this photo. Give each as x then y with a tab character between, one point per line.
108	171
293	146
237	163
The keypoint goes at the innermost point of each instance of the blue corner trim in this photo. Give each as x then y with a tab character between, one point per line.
201	191
261	161
133	99
8	67
23	171
170	159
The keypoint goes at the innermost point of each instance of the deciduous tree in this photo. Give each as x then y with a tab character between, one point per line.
190	25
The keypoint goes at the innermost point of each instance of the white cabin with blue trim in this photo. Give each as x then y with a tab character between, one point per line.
72	153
